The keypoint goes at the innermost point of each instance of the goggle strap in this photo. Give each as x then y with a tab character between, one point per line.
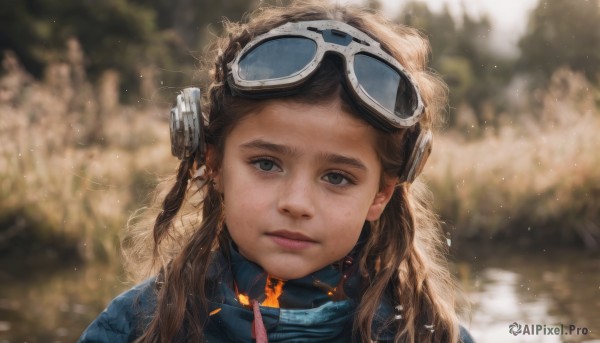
420	150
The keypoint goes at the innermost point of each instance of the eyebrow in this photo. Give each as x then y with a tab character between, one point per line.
286	150
344	160
264	145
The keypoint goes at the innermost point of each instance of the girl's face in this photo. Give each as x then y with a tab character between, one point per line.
299	181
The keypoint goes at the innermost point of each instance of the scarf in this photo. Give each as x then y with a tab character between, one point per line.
246	305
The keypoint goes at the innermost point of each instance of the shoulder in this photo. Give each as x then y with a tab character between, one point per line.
124	316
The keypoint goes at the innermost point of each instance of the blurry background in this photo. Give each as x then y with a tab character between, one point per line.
85	88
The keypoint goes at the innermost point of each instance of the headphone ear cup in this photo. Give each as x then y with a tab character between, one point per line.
418	158
187	126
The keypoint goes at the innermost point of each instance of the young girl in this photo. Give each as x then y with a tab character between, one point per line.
302	159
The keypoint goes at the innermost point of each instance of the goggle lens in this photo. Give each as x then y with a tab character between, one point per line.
385	85
277	58
284	58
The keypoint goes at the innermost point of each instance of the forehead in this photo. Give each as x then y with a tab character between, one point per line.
326	127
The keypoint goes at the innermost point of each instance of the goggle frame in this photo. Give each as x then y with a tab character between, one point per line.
313	30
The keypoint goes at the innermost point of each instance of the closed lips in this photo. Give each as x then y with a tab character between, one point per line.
291	240
291	235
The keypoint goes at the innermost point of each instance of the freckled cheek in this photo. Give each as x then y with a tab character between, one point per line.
340	238
346	223
353	211
245	202
348	218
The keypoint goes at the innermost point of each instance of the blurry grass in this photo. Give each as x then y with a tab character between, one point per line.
528	182
58	185
515	182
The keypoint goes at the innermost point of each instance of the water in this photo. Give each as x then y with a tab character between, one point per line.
52	305
545	290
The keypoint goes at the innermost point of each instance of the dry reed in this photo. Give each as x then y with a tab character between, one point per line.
528	181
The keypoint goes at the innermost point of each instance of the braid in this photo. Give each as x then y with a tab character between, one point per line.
180	312
172	202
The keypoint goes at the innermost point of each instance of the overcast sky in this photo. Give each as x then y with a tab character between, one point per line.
509	17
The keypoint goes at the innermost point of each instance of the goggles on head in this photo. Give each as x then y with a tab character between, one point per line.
281	60
285	57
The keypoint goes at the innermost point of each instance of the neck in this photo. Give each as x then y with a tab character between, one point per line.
251	282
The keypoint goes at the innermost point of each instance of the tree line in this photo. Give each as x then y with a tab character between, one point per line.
167	36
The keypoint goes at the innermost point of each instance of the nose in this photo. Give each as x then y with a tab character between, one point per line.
296	198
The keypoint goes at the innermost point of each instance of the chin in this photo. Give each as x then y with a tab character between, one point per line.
287	273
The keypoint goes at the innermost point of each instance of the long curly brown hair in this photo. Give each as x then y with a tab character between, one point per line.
404	256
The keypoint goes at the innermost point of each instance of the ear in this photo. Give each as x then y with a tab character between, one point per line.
381	200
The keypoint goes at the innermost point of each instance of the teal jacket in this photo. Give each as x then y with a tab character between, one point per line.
125	317
307	313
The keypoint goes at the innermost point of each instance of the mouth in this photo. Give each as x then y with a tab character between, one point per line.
291	240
